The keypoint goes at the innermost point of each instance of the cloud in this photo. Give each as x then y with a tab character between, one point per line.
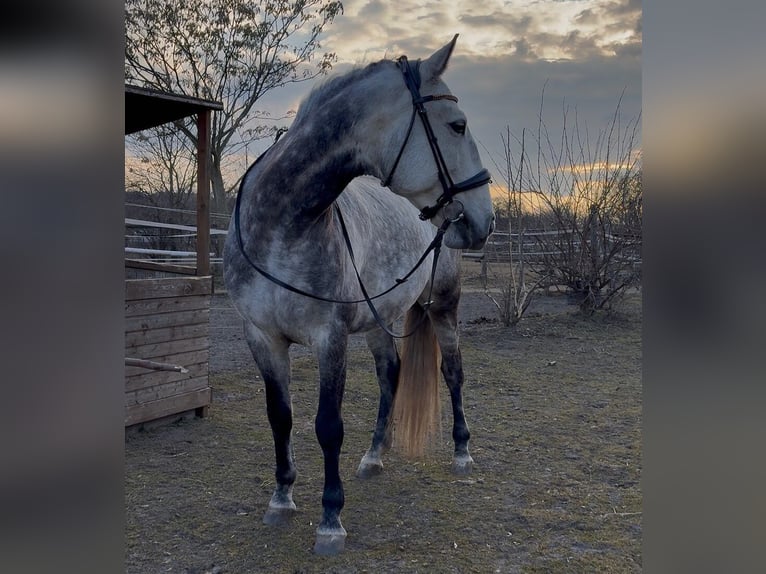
499	22
523	49
587	16
435	19
580	47
585	53
626	7
374	9
543	29
626	50
484	21
499	91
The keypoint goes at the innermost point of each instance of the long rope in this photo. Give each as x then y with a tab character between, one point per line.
434	246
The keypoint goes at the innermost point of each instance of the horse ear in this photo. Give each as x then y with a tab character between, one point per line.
434	66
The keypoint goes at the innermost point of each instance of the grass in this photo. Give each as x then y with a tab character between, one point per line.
554	407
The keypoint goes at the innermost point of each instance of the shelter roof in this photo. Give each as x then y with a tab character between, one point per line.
146	108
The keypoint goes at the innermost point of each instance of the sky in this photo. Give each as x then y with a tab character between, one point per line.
585	54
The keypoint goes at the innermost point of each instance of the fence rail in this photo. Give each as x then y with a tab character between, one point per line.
539	245
501	247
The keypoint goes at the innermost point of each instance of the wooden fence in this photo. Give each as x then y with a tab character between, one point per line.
537	245
167	321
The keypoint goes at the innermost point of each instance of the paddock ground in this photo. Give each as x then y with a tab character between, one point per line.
554	406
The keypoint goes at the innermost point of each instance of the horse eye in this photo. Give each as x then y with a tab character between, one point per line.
458	126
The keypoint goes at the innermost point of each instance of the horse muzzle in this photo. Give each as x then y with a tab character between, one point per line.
467	233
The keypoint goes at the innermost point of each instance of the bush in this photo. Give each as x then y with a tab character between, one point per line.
586	204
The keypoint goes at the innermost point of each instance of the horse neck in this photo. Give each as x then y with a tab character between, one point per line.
308	169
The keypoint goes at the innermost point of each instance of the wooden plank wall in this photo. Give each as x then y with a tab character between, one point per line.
167	320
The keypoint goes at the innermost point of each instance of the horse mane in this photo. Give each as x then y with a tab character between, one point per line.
330	87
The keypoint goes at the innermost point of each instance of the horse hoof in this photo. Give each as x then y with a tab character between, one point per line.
330	541
279	515
462	464
369	468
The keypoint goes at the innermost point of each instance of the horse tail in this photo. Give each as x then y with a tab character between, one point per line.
416	415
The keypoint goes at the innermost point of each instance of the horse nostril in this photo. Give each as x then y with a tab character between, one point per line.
491	225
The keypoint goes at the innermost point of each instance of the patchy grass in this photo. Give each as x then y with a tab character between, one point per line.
554	407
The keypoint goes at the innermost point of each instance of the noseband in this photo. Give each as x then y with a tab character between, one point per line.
450	189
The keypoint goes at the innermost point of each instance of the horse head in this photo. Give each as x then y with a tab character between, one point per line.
430	156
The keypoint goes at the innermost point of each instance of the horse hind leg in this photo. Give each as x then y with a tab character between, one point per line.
383	349
273	361
445	325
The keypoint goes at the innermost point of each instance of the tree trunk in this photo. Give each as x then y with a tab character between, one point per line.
218	202
217	187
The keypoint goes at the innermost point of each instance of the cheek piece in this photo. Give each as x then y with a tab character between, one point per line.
450	189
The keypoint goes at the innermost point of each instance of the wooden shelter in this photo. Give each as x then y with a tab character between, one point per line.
167	315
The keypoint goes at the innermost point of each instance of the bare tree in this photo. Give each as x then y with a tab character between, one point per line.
509	260
161	173
585	202
592	197
233	51
162	159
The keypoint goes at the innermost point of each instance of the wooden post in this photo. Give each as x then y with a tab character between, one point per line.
203	192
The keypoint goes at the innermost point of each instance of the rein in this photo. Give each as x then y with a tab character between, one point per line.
434	246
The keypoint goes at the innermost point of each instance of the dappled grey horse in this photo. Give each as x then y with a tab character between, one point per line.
316	252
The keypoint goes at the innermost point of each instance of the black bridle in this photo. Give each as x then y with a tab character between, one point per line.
412	79
450	189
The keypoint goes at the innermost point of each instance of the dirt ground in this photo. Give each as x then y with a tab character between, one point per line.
554	407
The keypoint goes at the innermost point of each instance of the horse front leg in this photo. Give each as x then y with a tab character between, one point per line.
331	356
445	325
387	369
273	361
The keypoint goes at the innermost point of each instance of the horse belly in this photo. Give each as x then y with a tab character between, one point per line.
279	314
